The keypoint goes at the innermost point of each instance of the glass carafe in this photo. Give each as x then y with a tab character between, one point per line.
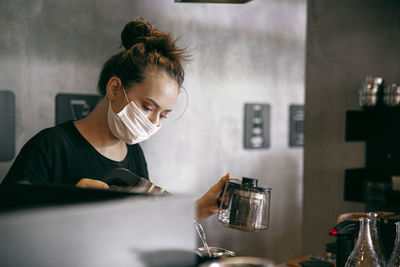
394	260
364	254
375	237
245	205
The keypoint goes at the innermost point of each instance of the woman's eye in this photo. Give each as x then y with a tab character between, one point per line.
163	115
147	108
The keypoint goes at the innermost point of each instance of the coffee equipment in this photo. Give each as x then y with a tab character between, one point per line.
346	233
371	92
206	254
245	206
123	180
392	95
374	94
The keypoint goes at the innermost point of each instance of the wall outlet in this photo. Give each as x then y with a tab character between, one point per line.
256	125
296	122
7	125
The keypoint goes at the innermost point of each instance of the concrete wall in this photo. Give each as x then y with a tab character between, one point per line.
241	53
346	40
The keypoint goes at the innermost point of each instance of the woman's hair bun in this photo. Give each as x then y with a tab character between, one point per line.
134	31
146	47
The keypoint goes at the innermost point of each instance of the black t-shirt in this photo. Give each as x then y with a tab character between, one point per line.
61	155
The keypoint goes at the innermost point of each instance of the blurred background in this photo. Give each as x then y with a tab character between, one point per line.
240	53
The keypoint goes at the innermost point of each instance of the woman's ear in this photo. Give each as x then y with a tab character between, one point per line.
113	88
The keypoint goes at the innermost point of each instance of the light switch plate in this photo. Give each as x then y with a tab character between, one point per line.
256	125
296	121
74	106
7	125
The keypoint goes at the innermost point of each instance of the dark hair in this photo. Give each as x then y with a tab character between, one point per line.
145	47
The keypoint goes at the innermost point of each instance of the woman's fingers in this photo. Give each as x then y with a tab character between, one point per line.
217	188
207	205
226	177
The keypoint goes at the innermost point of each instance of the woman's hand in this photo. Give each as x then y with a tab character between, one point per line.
207	204
91	183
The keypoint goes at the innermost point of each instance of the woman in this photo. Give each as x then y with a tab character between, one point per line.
139	87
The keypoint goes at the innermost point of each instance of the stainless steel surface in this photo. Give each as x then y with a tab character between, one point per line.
245	207
239	262
123	180
141	188
214	252
203	237
139	232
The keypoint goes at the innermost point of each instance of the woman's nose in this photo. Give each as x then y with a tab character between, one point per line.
155	119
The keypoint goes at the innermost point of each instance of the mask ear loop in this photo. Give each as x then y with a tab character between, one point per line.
123	90
187	103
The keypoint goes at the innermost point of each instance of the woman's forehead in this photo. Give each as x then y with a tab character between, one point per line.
158	86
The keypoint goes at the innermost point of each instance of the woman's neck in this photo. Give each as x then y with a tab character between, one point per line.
94	128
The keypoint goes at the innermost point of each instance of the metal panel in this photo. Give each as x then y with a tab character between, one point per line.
256	126
137	231
74	106
296	121
7	125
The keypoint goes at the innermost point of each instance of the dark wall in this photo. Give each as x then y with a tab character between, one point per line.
346	40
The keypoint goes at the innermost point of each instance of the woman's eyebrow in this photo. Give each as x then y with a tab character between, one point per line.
156	104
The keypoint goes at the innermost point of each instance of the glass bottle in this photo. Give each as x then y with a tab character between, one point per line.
364	254
376	241
394	260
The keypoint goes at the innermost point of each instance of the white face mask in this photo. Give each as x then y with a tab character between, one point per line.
130	124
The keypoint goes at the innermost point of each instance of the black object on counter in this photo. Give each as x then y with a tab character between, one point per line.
316	263
388	233
345	232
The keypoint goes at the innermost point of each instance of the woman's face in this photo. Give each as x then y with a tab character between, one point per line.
155	96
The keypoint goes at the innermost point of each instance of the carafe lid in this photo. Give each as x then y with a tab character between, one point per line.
249	184
249	181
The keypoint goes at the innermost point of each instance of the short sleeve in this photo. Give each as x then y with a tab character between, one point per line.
32	163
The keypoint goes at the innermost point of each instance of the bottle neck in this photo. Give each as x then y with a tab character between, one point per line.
364	235
373	225
374	221
377	244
